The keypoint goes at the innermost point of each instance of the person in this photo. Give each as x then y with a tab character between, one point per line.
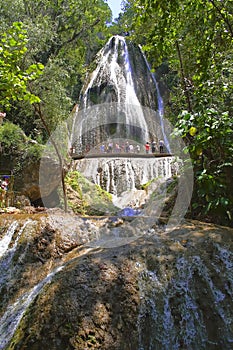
3	191
147	147
117	148
110	147
5	183
102	148
131	148
153	147
161	146
137	148
127	147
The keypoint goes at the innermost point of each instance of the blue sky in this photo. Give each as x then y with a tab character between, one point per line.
115	6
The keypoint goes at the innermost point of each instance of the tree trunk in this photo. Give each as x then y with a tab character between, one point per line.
60	158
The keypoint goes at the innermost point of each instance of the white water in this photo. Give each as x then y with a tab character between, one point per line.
125	174
131	99
172	292
7	254
173	282
13	315
160	105
6	239
114	67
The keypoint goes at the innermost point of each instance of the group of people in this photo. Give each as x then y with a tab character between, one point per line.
117	148
154	147
150	147
125	147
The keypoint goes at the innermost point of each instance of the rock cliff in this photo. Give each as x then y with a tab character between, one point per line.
159	291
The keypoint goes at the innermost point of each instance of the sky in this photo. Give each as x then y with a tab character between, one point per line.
115	6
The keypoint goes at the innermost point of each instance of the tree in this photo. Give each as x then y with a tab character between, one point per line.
14	78
193	38
64	36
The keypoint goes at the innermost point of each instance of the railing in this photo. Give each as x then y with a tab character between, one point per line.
77	156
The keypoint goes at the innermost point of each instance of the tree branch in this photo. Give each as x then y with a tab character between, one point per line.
183	78
225	19
37	108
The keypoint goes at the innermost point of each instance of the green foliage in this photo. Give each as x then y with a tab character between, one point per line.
33	151
12	139
190	41
72	179
188	44
64	36
86	197
212	153
13	77
17	149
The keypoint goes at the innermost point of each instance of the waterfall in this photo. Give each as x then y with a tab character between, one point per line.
169	291
120	111
160	105
7	253
115	101
13	315
119	175
170	317
121	105
5	241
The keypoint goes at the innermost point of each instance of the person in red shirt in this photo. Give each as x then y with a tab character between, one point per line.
147	147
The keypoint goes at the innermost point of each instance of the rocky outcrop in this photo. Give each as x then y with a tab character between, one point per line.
27	183
118	175
159	291
39	179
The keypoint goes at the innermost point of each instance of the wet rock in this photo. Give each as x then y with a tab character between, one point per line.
30	184
160	291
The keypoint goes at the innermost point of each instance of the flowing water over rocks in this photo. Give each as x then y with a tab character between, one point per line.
119	175
162	290
140	282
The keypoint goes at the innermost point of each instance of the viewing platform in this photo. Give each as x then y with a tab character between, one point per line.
77	156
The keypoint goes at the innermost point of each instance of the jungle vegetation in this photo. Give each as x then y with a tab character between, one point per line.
47	47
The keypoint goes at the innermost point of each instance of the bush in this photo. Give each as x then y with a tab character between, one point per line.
12	139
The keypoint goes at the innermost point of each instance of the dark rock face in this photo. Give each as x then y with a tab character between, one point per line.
34	186
28	181
120	98
95	301
127	61
161	291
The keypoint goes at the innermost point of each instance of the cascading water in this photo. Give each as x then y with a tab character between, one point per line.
170	317
134	172
7	252
121	105
5	241
160	106
16	249
112	82
124	95
15	312
169	291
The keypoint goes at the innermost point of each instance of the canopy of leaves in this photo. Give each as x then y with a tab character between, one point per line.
189	44
64	36
14	78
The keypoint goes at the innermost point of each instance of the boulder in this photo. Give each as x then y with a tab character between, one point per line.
38	179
